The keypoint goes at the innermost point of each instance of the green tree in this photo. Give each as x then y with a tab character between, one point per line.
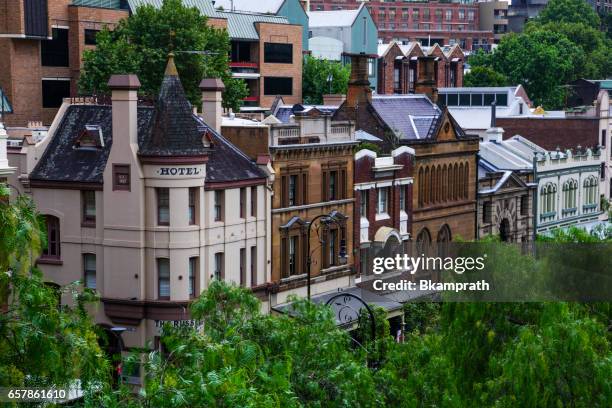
140	45
484	76
315	75
541	61
43	342
569	11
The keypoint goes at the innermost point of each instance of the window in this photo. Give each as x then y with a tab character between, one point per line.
278	86
193	205
253	266
292	254
163	206
396	79
53	238
548	199
54	91
590	191
603	171
333	238
402	198
487	213
363	203
89	271
90	36
570	189
54	52
243	267
163	278
525	205
383	200
363	261
253	201
243	202
294	189
193	271
334	184
278	53
219	198
121	177
88	202
449	15
603	137
219	267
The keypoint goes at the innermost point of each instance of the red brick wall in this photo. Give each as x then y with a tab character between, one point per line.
11	17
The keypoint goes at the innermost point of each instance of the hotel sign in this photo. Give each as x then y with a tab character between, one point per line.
178	171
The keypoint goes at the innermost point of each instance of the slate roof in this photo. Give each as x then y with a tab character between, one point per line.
62	162
168	129
175	132
227	163
408	116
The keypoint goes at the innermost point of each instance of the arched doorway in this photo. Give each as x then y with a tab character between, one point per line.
444	238
504	231
423	242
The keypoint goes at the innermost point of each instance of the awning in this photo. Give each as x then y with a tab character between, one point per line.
346	308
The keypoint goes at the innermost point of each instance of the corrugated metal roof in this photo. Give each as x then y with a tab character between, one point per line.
205	6
332	18
109	4
258	6
241	26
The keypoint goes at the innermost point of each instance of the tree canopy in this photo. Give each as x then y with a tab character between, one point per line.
43	341
316	72
484	76
141	43
561	45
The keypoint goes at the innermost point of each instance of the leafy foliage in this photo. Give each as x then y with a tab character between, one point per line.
484	76
316	72
140	45
42	342
563	44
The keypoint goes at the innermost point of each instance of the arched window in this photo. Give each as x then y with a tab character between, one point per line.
421	182
466	181
569	196
423	242
444	237
460	182
590	191
548	198
53	249
434	186
427	191
444	183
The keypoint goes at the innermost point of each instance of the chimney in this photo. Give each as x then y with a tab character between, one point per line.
426	82
359	90
494	133
212	109
124	97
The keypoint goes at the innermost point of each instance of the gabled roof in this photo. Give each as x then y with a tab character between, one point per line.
508	179
515	154
408	116
284	112
333	18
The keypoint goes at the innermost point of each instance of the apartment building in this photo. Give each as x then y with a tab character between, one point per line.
41	43
430	22
398	66
146	202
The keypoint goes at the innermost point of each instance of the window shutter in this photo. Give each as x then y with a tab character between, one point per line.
284	192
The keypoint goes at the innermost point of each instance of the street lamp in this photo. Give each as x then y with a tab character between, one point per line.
342	255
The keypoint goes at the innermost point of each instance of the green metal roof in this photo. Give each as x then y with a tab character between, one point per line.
110	4
205	6
241	26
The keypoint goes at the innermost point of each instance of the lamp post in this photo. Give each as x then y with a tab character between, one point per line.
327	218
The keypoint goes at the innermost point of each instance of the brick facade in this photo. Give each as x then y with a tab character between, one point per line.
22	72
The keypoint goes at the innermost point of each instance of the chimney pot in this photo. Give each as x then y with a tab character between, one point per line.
124	82
212	108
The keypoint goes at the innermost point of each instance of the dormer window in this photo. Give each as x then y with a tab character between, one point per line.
90	138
